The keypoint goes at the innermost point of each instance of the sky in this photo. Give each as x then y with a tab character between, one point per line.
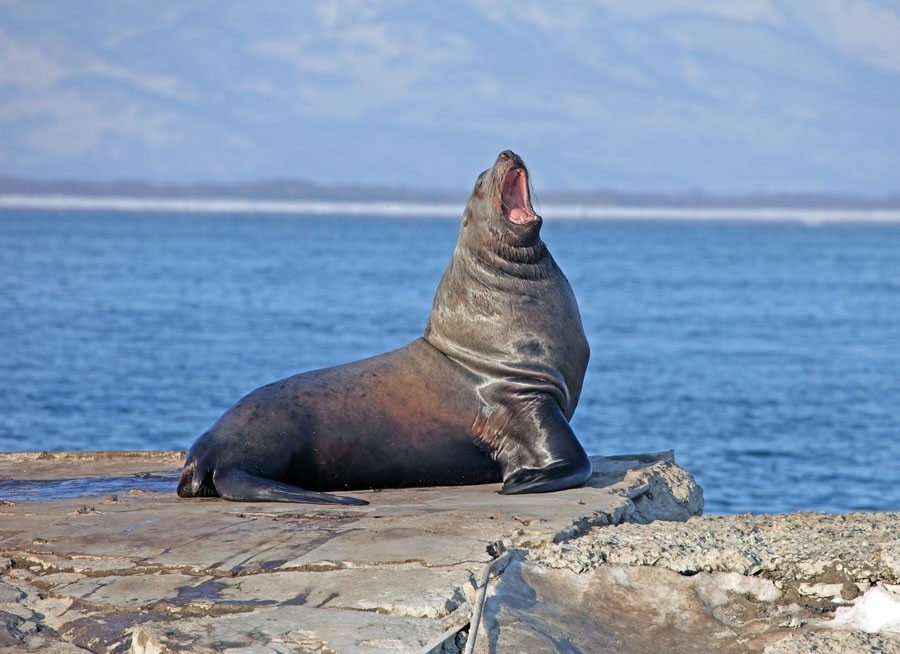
730	97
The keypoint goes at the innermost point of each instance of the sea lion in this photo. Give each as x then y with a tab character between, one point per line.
484	396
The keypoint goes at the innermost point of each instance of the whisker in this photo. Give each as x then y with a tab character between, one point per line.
535	203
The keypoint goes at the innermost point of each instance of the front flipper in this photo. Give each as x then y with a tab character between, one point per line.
556	476
540	452
241	486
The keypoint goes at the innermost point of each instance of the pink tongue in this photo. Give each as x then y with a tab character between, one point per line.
520	216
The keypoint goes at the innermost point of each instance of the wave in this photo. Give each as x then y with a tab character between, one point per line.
443	210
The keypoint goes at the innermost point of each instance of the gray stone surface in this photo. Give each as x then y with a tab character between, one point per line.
146	571
622	565
634	610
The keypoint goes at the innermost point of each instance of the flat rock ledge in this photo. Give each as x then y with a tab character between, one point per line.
98	554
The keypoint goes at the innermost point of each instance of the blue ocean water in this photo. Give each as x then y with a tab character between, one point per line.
765	354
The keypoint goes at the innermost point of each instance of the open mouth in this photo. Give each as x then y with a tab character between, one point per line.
514	196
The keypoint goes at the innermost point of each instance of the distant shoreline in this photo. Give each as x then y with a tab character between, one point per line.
298	190
399	208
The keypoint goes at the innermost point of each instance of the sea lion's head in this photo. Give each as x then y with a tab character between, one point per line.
499	218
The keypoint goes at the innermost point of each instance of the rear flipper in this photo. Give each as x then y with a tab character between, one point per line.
241	486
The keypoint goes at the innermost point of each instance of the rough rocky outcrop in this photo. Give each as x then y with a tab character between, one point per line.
119	564
752	583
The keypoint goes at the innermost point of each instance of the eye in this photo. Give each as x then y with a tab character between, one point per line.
479	183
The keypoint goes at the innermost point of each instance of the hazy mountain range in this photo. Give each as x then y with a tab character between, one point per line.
734	98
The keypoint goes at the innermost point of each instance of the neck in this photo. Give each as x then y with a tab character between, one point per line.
528	260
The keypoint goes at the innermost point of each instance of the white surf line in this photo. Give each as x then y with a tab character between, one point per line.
425	209
758	214
224	205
